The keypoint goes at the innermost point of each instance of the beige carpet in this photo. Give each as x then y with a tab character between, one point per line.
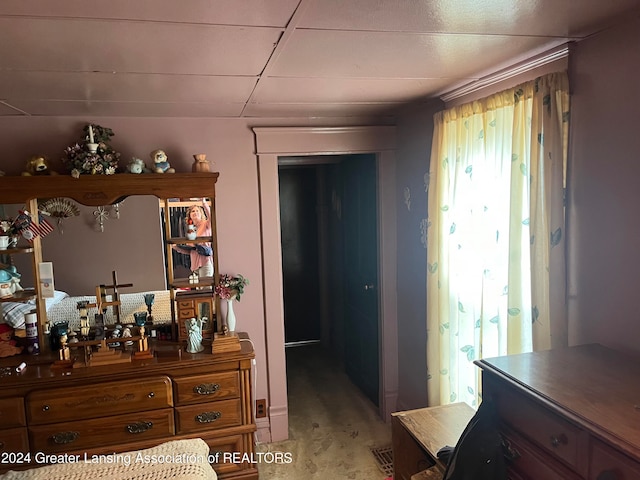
332	425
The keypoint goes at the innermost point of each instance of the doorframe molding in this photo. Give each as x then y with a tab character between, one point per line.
274	142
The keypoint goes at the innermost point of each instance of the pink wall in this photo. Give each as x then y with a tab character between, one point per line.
415	131
604	231
230	146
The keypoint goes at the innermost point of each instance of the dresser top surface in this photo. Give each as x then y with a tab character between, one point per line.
591	384
39	371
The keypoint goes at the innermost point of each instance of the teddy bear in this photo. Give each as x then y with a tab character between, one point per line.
38	165
161	162
7	344
137	165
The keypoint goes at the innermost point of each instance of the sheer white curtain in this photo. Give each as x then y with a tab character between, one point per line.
495	251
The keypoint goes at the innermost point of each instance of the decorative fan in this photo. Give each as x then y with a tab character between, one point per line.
59	208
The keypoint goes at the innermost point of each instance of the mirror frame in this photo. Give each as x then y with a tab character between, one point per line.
101	190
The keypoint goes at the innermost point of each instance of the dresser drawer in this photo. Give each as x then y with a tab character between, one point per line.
116	430
98	400
185	313
205	388
526	461
14	440
552	433
605	460
222	451
185	304
208	416
12	412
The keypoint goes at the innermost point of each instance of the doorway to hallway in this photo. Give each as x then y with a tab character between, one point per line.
329	231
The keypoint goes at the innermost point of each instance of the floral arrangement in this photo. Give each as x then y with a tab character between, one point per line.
80	159
231	287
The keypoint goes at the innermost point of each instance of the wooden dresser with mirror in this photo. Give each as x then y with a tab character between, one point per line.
115	408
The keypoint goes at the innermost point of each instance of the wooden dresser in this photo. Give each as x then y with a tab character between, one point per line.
122	407
568	413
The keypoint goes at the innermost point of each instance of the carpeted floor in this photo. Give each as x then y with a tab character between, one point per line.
332	425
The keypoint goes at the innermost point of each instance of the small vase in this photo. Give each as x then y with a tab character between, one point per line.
191	235
231	316
200	163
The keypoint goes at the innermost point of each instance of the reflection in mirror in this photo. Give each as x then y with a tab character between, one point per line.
190	220
83	258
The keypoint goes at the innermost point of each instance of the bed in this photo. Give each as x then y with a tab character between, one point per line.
64	308
177	460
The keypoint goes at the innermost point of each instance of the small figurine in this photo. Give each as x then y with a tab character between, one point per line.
9	281
7	344
126	333
64	354
38	165
194	330
116	333
161	162
200	163
137	165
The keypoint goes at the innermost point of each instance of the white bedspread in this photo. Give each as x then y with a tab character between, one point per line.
63	308
178	459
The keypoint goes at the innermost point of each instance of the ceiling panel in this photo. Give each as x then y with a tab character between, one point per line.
17	85
274	13
97	45
322	53
271	58
128	109
332	90
512	17
321	109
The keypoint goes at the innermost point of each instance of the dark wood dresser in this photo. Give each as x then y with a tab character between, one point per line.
122	407
569	413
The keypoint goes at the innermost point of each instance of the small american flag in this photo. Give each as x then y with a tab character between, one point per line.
43	228
29	229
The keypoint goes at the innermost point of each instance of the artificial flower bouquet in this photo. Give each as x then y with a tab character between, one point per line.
231	287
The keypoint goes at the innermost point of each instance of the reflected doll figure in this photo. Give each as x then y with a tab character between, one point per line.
201	264
194	341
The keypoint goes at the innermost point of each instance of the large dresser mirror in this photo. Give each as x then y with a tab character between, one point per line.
83	256
125	225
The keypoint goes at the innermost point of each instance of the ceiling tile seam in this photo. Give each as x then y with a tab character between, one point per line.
381	102
124	102
8	105
136	20
377	77
285	36
163	74
443	34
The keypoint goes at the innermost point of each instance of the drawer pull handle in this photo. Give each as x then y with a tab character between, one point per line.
510	452
556	441
140	427
208	417
206	388
64	438
45	408
151	395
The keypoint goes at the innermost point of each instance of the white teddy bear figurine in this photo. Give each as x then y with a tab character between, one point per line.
137	165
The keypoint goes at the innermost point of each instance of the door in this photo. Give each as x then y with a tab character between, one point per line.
299	230
361	325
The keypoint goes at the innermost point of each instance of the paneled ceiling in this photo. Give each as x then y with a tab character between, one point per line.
269	58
